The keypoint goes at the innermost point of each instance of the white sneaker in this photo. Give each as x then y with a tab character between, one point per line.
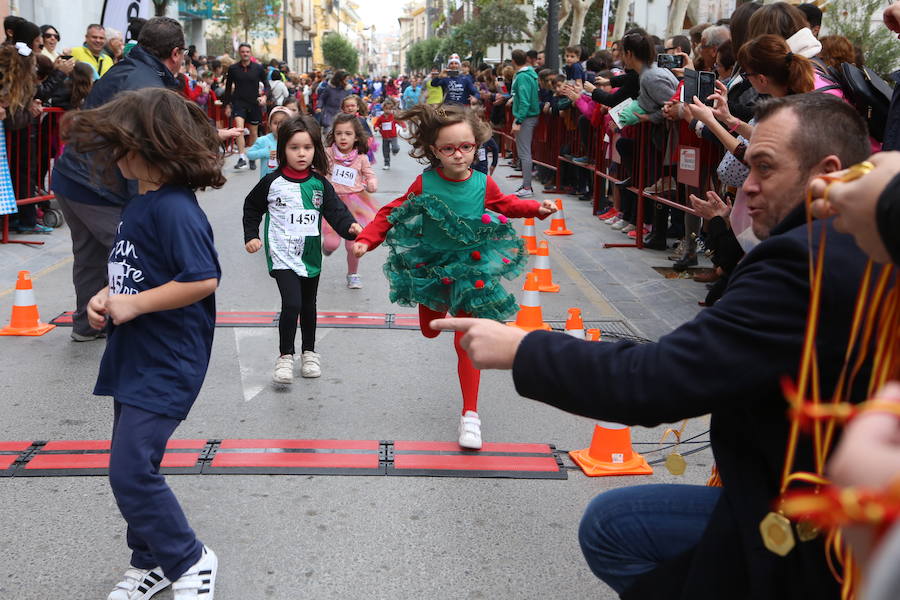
354	282
386	168
613	220
622	224
140	584
284	369
470	431
198	582
524	193
310	365
628	228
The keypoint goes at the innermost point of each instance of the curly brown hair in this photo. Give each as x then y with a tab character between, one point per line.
425	122
362	140
17	78
160	126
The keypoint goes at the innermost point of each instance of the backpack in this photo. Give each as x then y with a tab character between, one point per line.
864	89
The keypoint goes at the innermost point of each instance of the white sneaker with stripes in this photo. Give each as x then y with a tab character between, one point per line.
140	584
470	431
198	582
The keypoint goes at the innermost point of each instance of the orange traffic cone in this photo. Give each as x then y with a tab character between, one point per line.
593	335
25	319
574	324
610	453
529	237
542	269
558	223
530	317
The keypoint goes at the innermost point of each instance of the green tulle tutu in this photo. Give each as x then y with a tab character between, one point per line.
452	263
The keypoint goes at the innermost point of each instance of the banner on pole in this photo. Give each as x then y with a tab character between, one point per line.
604	29
117	13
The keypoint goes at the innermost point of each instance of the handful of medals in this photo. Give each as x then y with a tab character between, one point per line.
824	507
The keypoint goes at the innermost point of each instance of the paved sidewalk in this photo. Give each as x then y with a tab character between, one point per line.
290	537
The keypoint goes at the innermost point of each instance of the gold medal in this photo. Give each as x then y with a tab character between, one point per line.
676	464
806	531
777	534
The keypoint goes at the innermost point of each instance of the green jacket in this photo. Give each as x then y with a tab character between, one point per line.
525	95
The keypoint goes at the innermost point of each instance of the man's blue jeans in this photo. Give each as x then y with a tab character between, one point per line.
628	532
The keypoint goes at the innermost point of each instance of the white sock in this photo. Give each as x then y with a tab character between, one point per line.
242	156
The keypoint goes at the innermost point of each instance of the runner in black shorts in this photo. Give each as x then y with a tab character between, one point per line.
242	96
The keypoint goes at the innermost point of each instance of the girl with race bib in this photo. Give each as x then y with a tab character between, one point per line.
293	199
446	253
353	179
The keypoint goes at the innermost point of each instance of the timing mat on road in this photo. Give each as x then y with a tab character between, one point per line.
293	457
610	328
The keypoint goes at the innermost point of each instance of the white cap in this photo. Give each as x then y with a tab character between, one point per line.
454	58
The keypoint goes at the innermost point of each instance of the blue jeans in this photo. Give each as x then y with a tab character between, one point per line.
628	532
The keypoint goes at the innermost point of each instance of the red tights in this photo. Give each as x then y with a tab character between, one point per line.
469	376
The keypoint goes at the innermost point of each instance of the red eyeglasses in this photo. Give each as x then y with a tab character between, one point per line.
449	149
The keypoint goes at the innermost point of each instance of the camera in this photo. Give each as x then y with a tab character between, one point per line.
670	61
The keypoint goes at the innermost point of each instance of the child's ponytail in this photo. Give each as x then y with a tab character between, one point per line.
425	122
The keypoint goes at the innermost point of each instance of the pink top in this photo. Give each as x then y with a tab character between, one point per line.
365	176
820	82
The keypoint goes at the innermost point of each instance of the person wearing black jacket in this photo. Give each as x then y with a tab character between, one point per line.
242	99
91	197
671	541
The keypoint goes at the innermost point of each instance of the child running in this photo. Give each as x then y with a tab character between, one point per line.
265	148
353	105
447	254
387	126
159	310
293	198
352	177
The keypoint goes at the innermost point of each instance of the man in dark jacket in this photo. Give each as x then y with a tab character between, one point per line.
680	541
91	205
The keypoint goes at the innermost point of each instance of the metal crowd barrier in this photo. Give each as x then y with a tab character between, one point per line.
677	161
31	151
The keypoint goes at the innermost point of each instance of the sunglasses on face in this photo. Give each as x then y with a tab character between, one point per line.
52	35
449	149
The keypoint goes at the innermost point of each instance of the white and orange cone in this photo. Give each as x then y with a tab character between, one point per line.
574	324
593	335
529	236
610	453
558	222
25	319
542	269
530	317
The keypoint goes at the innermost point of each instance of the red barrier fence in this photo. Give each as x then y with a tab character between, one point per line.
31	149
663	165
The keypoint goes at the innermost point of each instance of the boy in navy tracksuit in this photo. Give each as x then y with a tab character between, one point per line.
160	311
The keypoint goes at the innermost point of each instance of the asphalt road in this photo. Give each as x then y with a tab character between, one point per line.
289	537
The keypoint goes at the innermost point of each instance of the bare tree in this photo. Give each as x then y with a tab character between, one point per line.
579	10
621	19
539	37
677	12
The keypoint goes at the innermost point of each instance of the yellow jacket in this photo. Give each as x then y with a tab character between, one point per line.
101	65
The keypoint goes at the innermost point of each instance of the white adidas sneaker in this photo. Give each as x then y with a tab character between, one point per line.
470	431
140	584
198	582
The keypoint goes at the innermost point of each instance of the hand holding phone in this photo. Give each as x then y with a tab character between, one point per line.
670	61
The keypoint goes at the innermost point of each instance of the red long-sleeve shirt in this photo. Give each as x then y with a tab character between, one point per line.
506	204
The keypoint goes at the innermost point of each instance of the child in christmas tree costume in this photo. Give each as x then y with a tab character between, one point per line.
446	253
